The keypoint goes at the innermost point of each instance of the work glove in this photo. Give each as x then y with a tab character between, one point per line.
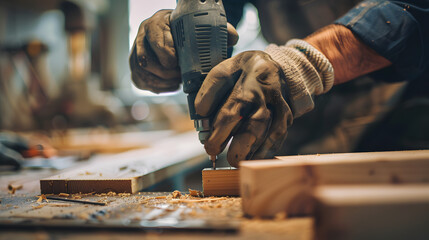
153	60
259	94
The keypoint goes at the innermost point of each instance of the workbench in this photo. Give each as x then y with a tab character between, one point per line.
130	216
133	215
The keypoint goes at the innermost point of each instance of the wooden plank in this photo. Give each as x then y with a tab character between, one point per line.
221	182
272	186
372	212
130	171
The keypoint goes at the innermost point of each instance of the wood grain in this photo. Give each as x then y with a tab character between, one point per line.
270	187
130	171
221	182
372	212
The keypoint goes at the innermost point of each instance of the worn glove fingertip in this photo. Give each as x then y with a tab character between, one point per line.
200	108
232	35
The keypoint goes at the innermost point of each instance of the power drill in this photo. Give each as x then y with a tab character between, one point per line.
200	38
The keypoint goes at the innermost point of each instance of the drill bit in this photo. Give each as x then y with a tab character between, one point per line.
213	159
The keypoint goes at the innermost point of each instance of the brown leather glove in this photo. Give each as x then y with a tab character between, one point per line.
259	94
153	60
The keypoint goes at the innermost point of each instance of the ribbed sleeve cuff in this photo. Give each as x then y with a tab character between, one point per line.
308	72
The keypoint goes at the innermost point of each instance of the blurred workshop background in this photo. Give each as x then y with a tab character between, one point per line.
65	80
64	64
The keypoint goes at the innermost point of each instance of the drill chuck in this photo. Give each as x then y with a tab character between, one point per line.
200	38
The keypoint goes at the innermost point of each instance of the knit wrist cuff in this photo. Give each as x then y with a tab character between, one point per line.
319	61
308	72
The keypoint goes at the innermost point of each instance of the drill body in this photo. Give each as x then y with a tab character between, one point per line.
199	29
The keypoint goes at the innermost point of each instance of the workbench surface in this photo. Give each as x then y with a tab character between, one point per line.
123	212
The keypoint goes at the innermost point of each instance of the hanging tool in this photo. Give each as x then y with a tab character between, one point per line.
200	38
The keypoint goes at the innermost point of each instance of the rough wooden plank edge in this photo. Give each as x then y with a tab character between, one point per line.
272	186
130	171
221	182
372	212
89	186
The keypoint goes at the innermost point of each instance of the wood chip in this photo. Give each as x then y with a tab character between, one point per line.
64	195
12	188
195	193
41	198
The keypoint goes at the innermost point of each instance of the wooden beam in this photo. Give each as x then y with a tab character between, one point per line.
285	185
131	171
372	212
220	182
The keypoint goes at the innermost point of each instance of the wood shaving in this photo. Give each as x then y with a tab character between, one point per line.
41	198
176	194
12	188
160	197
63	195
38	206
195	193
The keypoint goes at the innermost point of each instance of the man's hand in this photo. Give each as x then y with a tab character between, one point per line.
255	112
259	94
153	60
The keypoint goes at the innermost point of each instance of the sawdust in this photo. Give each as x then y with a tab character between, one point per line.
192	206
196	200
124	194
59	205
110	194
280	216
176	194
84	216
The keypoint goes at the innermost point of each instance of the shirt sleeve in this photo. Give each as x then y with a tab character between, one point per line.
397	30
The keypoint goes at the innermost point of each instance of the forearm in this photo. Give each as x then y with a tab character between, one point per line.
349	56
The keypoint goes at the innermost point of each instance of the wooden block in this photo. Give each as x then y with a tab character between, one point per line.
131	171
220	182
272	186
372	212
